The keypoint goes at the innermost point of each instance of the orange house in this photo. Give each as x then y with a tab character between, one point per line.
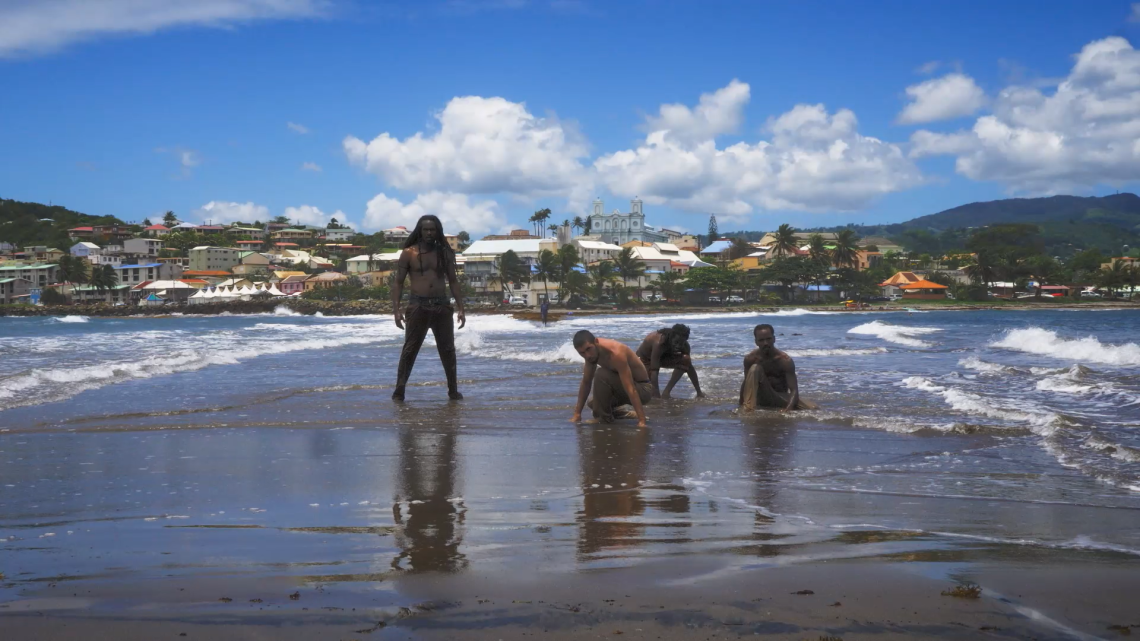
923	290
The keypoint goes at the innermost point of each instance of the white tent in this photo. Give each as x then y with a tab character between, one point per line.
273	291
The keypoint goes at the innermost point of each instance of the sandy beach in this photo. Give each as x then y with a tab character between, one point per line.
248	477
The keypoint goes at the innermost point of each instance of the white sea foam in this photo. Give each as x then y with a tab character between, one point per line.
901	334
282	310
1115	450
978	365
796	353
1043	423
1035	340
70	319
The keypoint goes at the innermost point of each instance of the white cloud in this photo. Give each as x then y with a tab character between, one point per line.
187	158
951	96
309	215
717	113
37	26
815	160
311	166
455	211
301	129
220	212
483	146
1085	133
928	68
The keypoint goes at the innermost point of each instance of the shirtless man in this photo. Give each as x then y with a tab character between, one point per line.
770	376
616	375
668	347
430	262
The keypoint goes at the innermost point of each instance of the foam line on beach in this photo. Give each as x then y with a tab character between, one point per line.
1042	423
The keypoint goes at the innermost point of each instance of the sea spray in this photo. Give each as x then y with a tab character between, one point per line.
901	334
1044	342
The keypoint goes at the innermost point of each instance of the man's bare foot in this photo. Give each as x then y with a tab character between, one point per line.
455	395
665	395
398	394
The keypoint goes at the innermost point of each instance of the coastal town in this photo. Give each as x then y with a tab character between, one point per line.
614	258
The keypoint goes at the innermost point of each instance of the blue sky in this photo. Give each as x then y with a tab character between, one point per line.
113	109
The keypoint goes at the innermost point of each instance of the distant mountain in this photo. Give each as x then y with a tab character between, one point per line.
1118	210
24	224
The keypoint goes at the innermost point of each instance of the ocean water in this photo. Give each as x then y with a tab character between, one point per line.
164	446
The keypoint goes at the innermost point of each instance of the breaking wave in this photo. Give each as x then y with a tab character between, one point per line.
796	353
1042	423
901	334
1044	342
978	365
71	319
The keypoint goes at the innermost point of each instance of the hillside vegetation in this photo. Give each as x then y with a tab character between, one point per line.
35	224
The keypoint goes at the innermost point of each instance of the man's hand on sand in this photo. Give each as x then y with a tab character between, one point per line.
641	423
399	319
462	318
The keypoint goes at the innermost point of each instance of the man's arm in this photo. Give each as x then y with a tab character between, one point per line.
793	383
748	363
626	377
456	293
583	390
398	286
655	364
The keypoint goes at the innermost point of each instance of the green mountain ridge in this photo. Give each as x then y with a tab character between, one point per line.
23	224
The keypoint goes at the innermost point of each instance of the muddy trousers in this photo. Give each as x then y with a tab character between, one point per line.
758	392
417	321
609	393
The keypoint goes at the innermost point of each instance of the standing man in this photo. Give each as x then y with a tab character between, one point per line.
544	309
770	376
430	263
616	376
668	347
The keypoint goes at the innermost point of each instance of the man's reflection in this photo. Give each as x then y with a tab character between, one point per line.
613	461
431	526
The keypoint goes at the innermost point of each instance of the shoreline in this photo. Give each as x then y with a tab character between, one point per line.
370	307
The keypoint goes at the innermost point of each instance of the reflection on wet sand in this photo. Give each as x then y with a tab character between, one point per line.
613	461
427	512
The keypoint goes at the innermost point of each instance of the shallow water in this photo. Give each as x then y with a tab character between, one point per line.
267	444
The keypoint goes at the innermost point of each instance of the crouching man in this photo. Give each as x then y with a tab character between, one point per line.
770	376
615	375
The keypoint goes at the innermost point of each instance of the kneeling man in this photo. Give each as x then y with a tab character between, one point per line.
616	375
668	348
770	376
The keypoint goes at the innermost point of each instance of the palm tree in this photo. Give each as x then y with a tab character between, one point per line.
602	274
512	270
553	229
546	268
786	243
1113	276
533	222
575	283
567	260
982	271
1132	276
1046	271
578	223
817	249
670	283
629	267
846	252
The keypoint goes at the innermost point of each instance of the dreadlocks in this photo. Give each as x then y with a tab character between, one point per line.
446	253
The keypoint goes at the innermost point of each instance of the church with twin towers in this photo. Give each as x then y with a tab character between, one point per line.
618	228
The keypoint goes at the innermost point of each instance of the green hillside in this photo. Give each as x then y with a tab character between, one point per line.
25	224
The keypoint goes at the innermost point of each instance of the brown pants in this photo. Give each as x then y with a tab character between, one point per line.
417	321
609	393
758	392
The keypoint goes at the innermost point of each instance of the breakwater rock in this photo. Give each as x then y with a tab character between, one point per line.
292	306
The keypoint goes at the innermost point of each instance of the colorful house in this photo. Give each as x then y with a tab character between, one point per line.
923	290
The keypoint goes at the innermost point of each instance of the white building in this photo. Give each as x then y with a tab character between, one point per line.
618	228
134	274
93	254
380	263
209	258
346	233
396	234
143	248
481	264
591	251
39	275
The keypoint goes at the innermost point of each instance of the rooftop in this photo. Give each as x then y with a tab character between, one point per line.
496	247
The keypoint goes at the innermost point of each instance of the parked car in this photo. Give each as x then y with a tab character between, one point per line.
1090	294
714	299
879	299
734	299
518	301
894	297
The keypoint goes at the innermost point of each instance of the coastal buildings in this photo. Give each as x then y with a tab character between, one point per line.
39	275
396	234
325	279
142	248
94	254
591	251
156	231
137	274
342	233
292	284
379	262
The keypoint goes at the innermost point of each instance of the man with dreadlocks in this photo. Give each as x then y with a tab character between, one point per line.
430	263
668	347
